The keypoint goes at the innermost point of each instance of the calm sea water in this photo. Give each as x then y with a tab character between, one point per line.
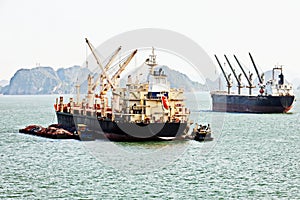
253	156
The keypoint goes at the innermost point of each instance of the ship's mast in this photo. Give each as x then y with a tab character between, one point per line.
250	86
229	85
236	77
90	94
77	92
151	61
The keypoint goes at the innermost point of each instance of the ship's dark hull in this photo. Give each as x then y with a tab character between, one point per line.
251	104
124	131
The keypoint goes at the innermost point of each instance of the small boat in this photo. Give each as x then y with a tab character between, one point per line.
202	133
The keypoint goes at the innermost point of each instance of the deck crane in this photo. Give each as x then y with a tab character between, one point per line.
99	63
250	86
101	78
238	78
229	84
260	77
119	71
112	84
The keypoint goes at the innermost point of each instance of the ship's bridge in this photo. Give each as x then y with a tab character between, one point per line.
275	89
158	82
278	87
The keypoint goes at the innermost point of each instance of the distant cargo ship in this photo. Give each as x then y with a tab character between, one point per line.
275	96
143	110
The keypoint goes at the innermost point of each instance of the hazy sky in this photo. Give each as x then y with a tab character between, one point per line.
52	32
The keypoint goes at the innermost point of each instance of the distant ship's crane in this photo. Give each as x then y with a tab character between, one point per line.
238	78
249	79
229	84
260	78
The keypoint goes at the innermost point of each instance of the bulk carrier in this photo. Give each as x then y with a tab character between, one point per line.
143	110
275	96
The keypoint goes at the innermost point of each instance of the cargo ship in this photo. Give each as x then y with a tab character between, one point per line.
274	96
142	110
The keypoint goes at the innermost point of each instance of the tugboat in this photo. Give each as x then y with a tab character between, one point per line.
202	133
275	96
146	109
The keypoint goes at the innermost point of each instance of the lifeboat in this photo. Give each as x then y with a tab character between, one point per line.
165	102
